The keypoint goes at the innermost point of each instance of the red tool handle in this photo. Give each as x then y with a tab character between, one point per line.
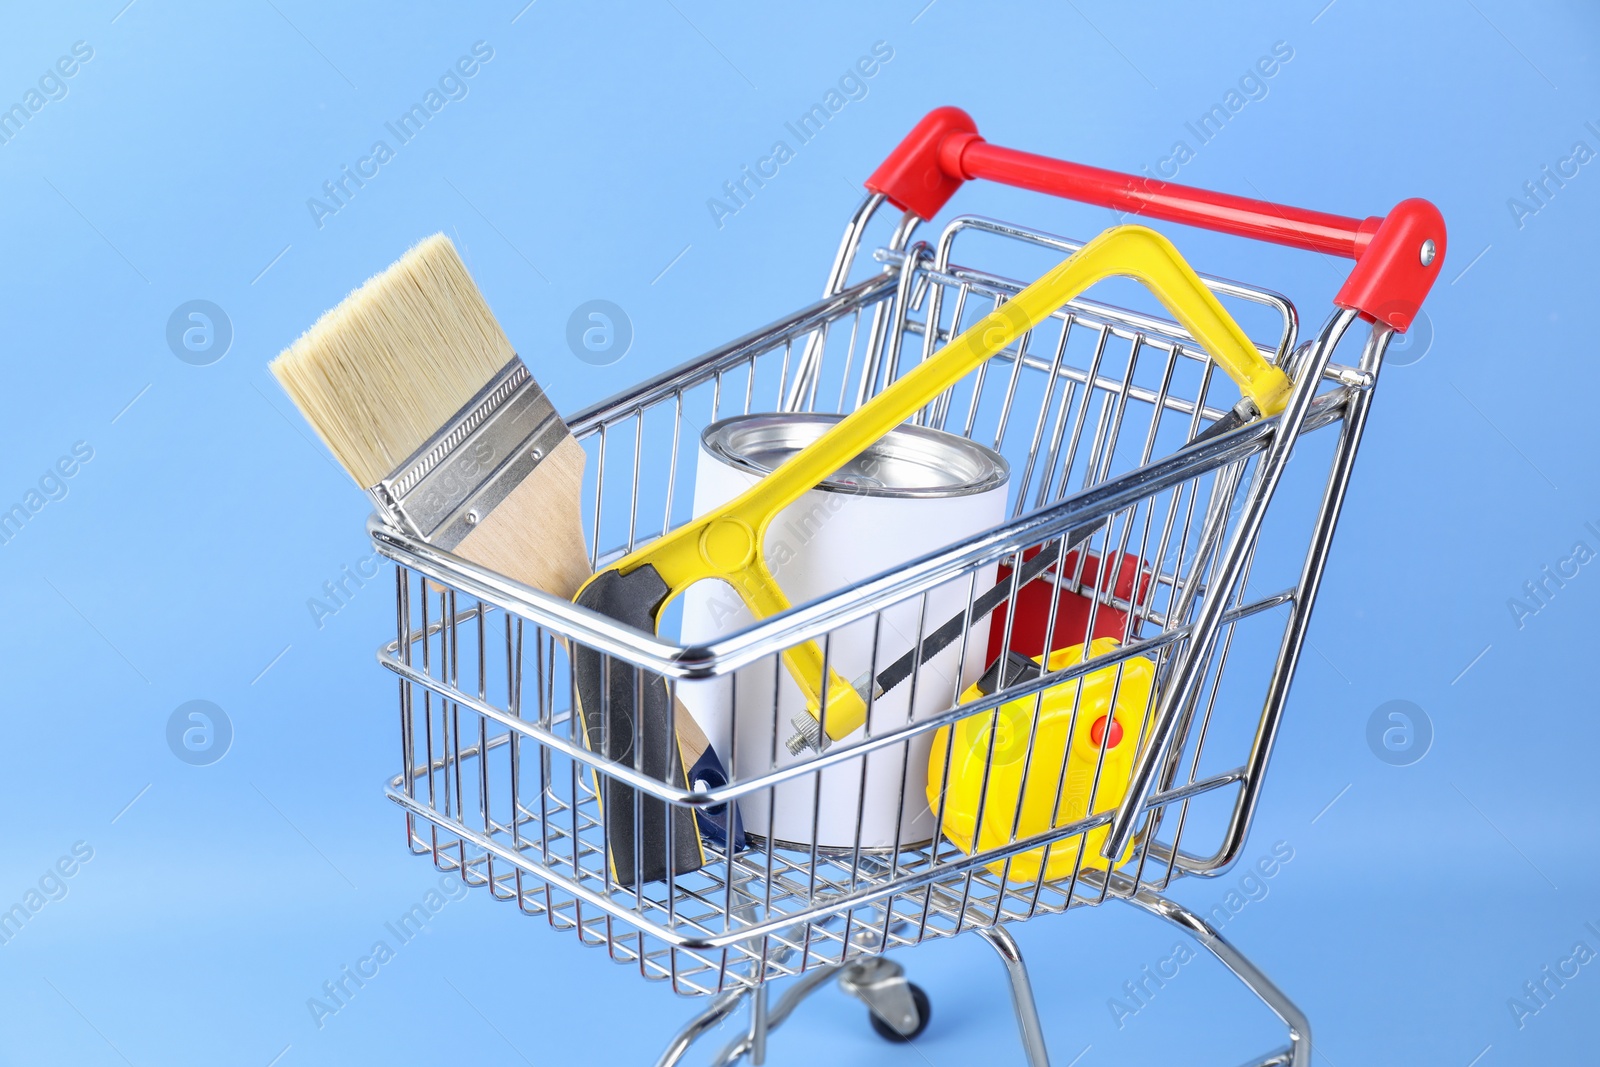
1397	256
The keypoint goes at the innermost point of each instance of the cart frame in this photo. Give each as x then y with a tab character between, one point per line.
497	782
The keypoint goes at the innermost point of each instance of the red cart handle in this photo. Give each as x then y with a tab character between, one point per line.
1397	256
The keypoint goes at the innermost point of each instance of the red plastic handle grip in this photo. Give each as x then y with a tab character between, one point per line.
1397	256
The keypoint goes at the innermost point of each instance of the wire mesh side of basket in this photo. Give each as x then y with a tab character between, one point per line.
1093	410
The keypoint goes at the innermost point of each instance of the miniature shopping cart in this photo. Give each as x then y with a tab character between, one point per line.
1136	471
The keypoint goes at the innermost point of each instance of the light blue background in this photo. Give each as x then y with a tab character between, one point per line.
179	564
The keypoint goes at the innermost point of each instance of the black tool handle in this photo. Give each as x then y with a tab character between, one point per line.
612	717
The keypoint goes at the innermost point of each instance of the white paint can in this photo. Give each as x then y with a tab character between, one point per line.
914	491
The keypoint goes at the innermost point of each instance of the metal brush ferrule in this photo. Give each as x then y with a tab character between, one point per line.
474	462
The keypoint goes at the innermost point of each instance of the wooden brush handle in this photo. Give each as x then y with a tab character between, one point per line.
535	535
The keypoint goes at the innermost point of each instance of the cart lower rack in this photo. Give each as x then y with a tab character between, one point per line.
1135	473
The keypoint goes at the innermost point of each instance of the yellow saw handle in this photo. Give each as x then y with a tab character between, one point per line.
726	542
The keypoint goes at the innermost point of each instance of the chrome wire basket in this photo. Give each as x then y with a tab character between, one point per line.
1102	413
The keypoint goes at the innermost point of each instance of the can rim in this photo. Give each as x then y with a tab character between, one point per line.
982	469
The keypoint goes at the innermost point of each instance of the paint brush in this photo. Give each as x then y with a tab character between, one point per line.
415	389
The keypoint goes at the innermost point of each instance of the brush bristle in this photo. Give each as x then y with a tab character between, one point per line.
381	373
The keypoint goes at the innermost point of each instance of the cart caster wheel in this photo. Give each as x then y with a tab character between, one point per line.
924	1013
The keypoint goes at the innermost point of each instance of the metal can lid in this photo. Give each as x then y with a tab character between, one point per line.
908	461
